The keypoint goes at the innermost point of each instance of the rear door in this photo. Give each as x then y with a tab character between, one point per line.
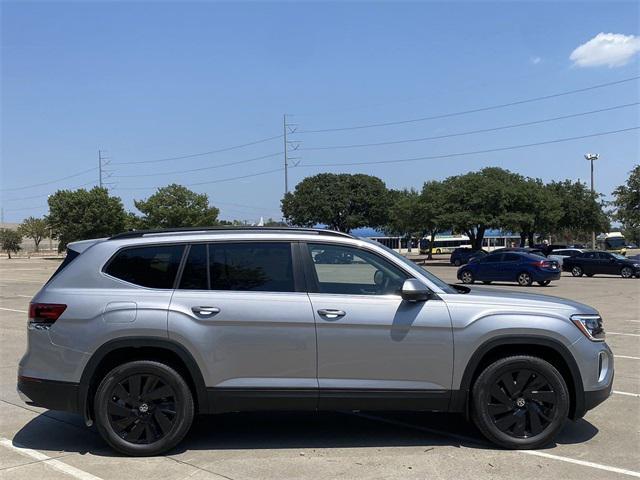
608	263
243	308
489	267
508	267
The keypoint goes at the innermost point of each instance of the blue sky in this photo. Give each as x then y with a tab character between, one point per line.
147	81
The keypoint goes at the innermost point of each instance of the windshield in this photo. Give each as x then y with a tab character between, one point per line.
444	286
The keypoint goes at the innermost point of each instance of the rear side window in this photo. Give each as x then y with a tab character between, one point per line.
493	258
71	256
153	266
511	257
251	266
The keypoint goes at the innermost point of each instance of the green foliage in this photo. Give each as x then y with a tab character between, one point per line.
582	212
81	214
176	206
340	201
10	241
627	205
480	200
35	229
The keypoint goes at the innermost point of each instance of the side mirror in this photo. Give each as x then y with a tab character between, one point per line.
414	291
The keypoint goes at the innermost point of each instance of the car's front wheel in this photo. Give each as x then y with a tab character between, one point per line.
577	271
520	402
467	277
143	408
626	272
524	279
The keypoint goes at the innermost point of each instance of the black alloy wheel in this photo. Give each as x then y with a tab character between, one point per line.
142	409
520	402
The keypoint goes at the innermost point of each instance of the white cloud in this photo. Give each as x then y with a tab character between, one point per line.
535	60
610	49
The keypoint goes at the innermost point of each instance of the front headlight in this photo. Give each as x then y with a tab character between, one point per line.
636	265
591	326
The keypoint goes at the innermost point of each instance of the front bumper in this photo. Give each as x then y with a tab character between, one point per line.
595	397
50	394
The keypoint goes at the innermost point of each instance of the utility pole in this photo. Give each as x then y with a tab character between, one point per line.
590	157
100	168
103	173
289	146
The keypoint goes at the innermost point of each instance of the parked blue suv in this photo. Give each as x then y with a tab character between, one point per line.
523	268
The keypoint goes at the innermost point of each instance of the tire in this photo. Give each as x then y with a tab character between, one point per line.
525	279
467	277
520	402
156	419
577	271
626	272
457	262
544	283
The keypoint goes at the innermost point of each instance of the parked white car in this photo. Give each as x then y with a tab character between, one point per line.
560	254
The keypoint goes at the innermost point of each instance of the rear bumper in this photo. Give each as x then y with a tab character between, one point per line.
50	394
541	276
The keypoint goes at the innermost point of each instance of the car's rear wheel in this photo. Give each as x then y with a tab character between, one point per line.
143	408
524	279
457	262
577	271
626	272
467	277
520	402
544	283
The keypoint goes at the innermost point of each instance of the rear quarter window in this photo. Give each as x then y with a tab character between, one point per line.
152	266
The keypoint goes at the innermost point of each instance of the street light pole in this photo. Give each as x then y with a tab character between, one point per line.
591	157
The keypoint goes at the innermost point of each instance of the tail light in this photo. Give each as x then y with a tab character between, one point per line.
43	315
543	264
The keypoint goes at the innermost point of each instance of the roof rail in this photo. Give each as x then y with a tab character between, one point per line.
196	230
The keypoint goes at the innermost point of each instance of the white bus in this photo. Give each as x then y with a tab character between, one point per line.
491	241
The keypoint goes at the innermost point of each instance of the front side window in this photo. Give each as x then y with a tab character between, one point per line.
511	257
353	271
492	258
152	266
251	266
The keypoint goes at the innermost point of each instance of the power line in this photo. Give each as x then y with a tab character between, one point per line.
174	172
470	132
474	110
476	152
200	154
47	194
92	169
220	180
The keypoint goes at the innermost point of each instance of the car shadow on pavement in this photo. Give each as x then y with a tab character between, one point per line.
284	430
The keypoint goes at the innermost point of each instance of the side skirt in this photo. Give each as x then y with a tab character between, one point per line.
223	400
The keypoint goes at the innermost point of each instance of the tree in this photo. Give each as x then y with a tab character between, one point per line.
480	200
35	229
10	241
627	205
81	214
582	212
340	201
175	206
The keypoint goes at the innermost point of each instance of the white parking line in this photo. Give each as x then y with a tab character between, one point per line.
627	334
13	310
52	462
626	356
538	453
637	395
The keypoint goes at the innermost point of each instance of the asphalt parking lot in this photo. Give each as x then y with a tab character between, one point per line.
605	444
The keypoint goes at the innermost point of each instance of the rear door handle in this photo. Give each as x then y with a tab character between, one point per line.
331	313
205	311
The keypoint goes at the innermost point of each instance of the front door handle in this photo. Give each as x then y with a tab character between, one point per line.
205	311
331	313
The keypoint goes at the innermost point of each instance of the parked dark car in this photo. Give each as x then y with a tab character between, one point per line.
530	250
524	268
462	256
547	248
594	262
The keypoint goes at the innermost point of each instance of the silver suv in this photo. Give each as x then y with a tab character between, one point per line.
141	331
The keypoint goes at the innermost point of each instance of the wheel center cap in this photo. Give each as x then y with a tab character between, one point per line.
144	408
520	402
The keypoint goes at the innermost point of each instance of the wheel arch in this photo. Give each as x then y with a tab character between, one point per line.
546	348
119	351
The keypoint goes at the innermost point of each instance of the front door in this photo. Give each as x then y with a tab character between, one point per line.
240	307
375	350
